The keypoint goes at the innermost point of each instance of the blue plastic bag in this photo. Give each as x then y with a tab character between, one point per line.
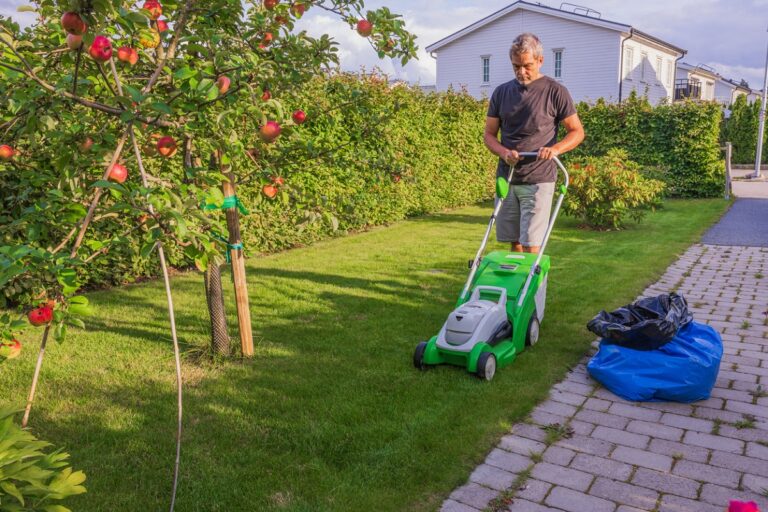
682	370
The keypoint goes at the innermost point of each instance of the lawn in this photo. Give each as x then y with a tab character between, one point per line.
330	415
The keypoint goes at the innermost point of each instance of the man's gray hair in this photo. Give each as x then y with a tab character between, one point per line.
526	43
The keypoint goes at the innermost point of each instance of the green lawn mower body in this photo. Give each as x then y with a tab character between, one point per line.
500	309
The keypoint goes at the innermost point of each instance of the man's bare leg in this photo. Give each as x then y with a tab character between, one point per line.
517	247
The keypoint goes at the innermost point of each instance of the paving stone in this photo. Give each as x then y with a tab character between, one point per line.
534	490
557	408
527	506
493	477
559	456
601	418
756	484
711	441
574	501
544	418
716	414
666	483
624	508
693	453
627	494
670	503
587	445
575	388
605	394
512	462
473	495
602	466
529	431
597	404
642	458
718	495
675	420
620	437
738	376
655	430
582	427
455	506
559	475
757	451
756	410
739	463
707	473
635	412
521	445
567	398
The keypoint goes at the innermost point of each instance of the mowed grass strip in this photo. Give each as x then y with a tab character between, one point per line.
330	415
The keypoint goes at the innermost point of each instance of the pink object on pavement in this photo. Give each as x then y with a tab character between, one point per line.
743	506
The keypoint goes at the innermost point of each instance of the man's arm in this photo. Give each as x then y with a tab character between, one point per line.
573	137
491	139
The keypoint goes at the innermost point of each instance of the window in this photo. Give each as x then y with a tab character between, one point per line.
669	73
629	57
709	93
486	69
558	60
643	66
658	69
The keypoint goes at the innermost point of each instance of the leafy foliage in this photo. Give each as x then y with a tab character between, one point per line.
678	141
607	190
741	130
32	480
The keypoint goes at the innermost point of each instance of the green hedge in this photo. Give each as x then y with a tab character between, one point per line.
677	143
741	131
371	153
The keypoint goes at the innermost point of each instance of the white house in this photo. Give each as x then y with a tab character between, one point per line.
592	57
704	83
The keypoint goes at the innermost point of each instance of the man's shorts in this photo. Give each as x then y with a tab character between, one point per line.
524	216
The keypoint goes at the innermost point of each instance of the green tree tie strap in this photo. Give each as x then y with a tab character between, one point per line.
230	246
229	202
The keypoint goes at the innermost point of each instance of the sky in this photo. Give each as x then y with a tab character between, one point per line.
729	35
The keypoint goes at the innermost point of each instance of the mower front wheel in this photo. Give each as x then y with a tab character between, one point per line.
418	356
486	366
532	336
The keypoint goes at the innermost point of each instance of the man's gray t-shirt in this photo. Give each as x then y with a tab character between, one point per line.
529	116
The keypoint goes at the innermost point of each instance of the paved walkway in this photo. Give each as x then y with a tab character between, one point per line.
586	450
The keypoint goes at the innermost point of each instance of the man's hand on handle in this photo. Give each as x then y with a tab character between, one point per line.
511	157
548	153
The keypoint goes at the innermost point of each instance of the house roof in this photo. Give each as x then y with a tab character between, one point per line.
543	9
700	69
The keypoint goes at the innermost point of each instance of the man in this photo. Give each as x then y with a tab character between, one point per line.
527	111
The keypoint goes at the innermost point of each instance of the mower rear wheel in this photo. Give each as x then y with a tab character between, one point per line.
486	366
418	356
532	336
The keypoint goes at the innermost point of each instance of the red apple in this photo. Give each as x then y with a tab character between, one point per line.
271	4
280	19
85	145
277	180
128	54
299	117
364	28
266	96
154	8
6	152
40	316
10	349
73	23
101	49
270	131
118	173
223	83
162	25
74	42
267	40
166	146
270	191
297	9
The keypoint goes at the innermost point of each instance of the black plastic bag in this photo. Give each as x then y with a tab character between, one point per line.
646	324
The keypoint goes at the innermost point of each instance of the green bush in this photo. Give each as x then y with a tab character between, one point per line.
680	141
30	479
741	130
606	190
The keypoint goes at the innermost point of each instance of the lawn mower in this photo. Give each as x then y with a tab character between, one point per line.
500	309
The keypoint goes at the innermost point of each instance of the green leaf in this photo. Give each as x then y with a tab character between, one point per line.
26	8
161	107
134	93
11	489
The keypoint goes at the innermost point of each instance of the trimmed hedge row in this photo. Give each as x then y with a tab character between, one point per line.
371	153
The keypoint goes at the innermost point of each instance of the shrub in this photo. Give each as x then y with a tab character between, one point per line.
30	479
606	190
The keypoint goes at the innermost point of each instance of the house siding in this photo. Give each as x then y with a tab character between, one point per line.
589	66
707	82
644	78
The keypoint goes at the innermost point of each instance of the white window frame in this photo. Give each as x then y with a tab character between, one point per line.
669	73
643	66
485	61
629	57
555	53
